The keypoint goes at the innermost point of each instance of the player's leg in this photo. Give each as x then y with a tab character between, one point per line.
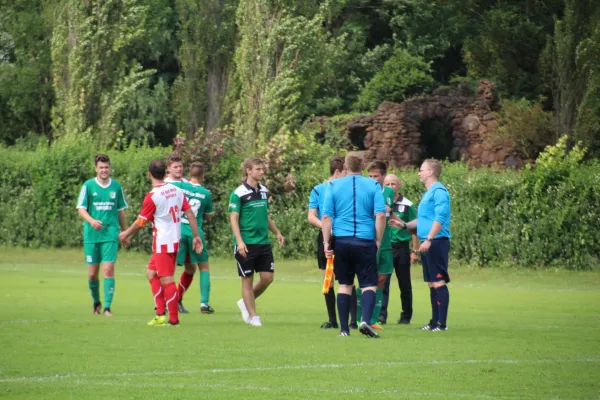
365	258
166	270
353	309
383	314
344	273
245	268
439	254
157	293
329	296
92	259
264	264
184	255
402	269
203	266
109	251
432	294
385	266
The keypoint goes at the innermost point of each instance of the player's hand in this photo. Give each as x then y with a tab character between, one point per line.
197	245
127	241
378	243
388	210
424	248
414	258
280	239
97	225
123	236
328	251
242	249
396	222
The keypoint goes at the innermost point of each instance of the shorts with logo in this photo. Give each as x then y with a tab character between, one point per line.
435	261
186	253
355	257
96	253
163	263
259	258
385	262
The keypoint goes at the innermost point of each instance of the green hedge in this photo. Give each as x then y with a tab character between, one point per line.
545	216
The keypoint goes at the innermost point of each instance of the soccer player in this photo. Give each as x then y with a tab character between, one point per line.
102	206
163	207
200	200
401	251
250	223
355	209
175	168
432	226
385	261
315	206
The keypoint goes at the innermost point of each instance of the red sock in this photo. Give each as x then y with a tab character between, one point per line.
159	295
184	283
171	296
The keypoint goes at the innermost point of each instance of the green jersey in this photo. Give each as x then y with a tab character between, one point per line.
253	207
388	198
102	202
406	211
200	201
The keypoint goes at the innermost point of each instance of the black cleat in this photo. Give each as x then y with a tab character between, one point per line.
172	323
366	330
206	309
353	325
439	328
329	325
181	308
381	320
429	326
404	321
97	308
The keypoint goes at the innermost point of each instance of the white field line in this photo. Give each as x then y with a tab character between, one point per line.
69	376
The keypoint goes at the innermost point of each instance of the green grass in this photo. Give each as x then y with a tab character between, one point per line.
514	334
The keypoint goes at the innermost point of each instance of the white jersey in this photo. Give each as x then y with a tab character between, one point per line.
163	206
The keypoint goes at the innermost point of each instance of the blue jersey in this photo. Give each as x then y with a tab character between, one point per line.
317	198
434	206
352	203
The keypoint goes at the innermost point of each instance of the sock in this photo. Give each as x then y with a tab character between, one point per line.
434	306
184	283
94	290
159	295
330	303
109	291
443	301
368	302
343	303
358	304
172	299
204	287
353	307
378	303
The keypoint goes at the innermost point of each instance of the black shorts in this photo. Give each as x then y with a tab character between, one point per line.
259	258
435	261
355	257
321	259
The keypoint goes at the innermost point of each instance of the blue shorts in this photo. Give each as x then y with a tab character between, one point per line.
435	261
355	257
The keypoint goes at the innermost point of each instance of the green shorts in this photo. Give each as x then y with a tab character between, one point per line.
385	262
104	252
186	253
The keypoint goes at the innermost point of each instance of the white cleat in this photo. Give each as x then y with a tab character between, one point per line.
255	321
244	311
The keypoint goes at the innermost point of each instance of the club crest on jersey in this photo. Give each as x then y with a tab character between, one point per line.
263	195
95	194
113	195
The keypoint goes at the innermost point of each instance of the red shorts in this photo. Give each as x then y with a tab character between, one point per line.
163	263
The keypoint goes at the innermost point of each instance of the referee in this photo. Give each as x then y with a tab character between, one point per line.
355	208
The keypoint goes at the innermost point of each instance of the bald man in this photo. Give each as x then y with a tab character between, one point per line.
403	256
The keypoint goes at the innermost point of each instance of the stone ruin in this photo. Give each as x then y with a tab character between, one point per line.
450	123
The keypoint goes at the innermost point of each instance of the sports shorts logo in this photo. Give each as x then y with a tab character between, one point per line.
88	259
272	266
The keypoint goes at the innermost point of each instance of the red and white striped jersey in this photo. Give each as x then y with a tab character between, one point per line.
163	206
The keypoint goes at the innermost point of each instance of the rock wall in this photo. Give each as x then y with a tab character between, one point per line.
394	133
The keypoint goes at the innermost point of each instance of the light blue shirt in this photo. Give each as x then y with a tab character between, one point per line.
434	206
317	197
352	203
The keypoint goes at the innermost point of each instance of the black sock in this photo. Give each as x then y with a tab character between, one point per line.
343	303
368	305
330	303
443	301
353	307
434	306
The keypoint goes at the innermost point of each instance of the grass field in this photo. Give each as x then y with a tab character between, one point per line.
513	334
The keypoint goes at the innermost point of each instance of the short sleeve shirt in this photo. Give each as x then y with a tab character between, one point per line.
253	207
102	202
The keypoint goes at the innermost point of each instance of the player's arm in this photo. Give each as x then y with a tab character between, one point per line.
234	219
196	242
273	228
208	211
96	224
379	226
313	219
139	223
122	220
146	216
379	208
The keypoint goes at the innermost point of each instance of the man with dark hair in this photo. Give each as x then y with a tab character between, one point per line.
354	211
163	207
315	207
102	206
432	226
200	201
250	223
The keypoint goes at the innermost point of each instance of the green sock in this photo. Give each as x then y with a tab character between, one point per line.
204	286
109	291
378	303
94	290
358	305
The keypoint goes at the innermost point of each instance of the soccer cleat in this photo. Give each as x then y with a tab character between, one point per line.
428	327
439	328
353	325
244	311
366	330
377	326
344	333
404	321
107	312
329	325
206	309
255	321
181	308
169	323
97	308
381	320
158	320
